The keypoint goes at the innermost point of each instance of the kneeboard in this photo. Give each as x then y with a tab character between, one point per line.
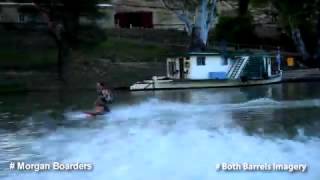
93	113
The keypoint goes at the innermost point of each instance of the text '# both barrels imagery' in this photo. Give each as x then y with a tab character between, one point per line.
250	167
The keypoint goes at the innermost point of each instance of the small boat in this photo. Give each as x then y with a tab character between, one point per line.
210	70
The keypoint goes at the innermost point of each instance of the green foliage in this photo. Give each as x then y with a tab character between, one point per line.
13	59
90	34
293	13
259	3
12	87
235	29
243	7
122	49
300	14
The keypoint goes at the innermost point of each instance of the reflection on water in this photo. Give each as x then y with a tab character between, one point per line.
178	134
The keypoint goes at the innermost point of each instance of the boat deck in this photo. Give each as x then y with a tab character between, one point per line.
188	84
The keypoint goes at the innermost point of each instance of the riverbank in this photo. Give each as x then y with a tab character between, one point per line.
117	75
29	62
80	77
299	75
119	58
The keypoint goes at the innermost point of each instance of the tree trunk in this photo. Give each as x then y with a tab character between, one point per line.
299	43
243	7
72	27
199	36
197	43
63	47
317	51
59	34
63	60
67	37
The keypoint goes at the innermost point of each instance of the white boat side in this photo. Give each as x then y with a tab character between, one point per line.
186	84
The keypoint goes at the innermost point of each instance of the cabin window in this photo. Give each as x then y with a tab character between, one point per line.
172	68
21	18
187	64
224	61
274	66
201	61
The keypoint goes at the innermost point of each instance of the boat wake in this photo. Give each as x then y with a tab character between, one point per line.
155	106
75	115
164	140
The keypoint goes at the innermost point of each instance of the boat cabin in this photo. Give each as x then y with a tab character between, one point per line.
215	66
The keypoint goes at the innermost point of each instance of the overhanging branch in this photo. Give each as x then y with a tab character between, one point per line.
212	14
181	14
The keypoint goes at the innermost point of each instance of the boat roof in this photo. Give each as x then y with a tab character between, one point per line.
228	53
204	53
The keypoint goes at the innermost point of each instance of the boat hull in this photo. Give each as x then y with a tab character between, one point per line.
189	84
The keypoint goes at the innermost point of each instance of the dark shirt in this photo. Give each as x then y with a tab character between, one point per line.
102	103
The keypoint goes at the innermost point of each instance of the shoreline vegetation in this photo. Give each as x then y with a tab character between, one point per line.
28	62
118	57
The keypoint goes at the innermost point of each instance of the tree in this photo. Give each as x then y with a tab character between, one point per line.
199	17
243	7
295	15
62	18
317	51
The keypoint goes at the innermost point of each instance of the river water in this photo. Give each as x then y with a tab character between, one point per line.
172	135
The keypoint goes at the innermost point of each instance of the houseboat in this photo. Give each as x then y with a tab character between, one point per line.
210	70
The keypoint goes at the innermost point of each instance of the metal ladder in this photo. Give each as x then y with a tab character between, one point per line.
237	68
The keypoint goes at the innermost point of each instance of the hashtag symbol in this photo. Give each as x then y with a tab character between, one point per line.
218	167
12	166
